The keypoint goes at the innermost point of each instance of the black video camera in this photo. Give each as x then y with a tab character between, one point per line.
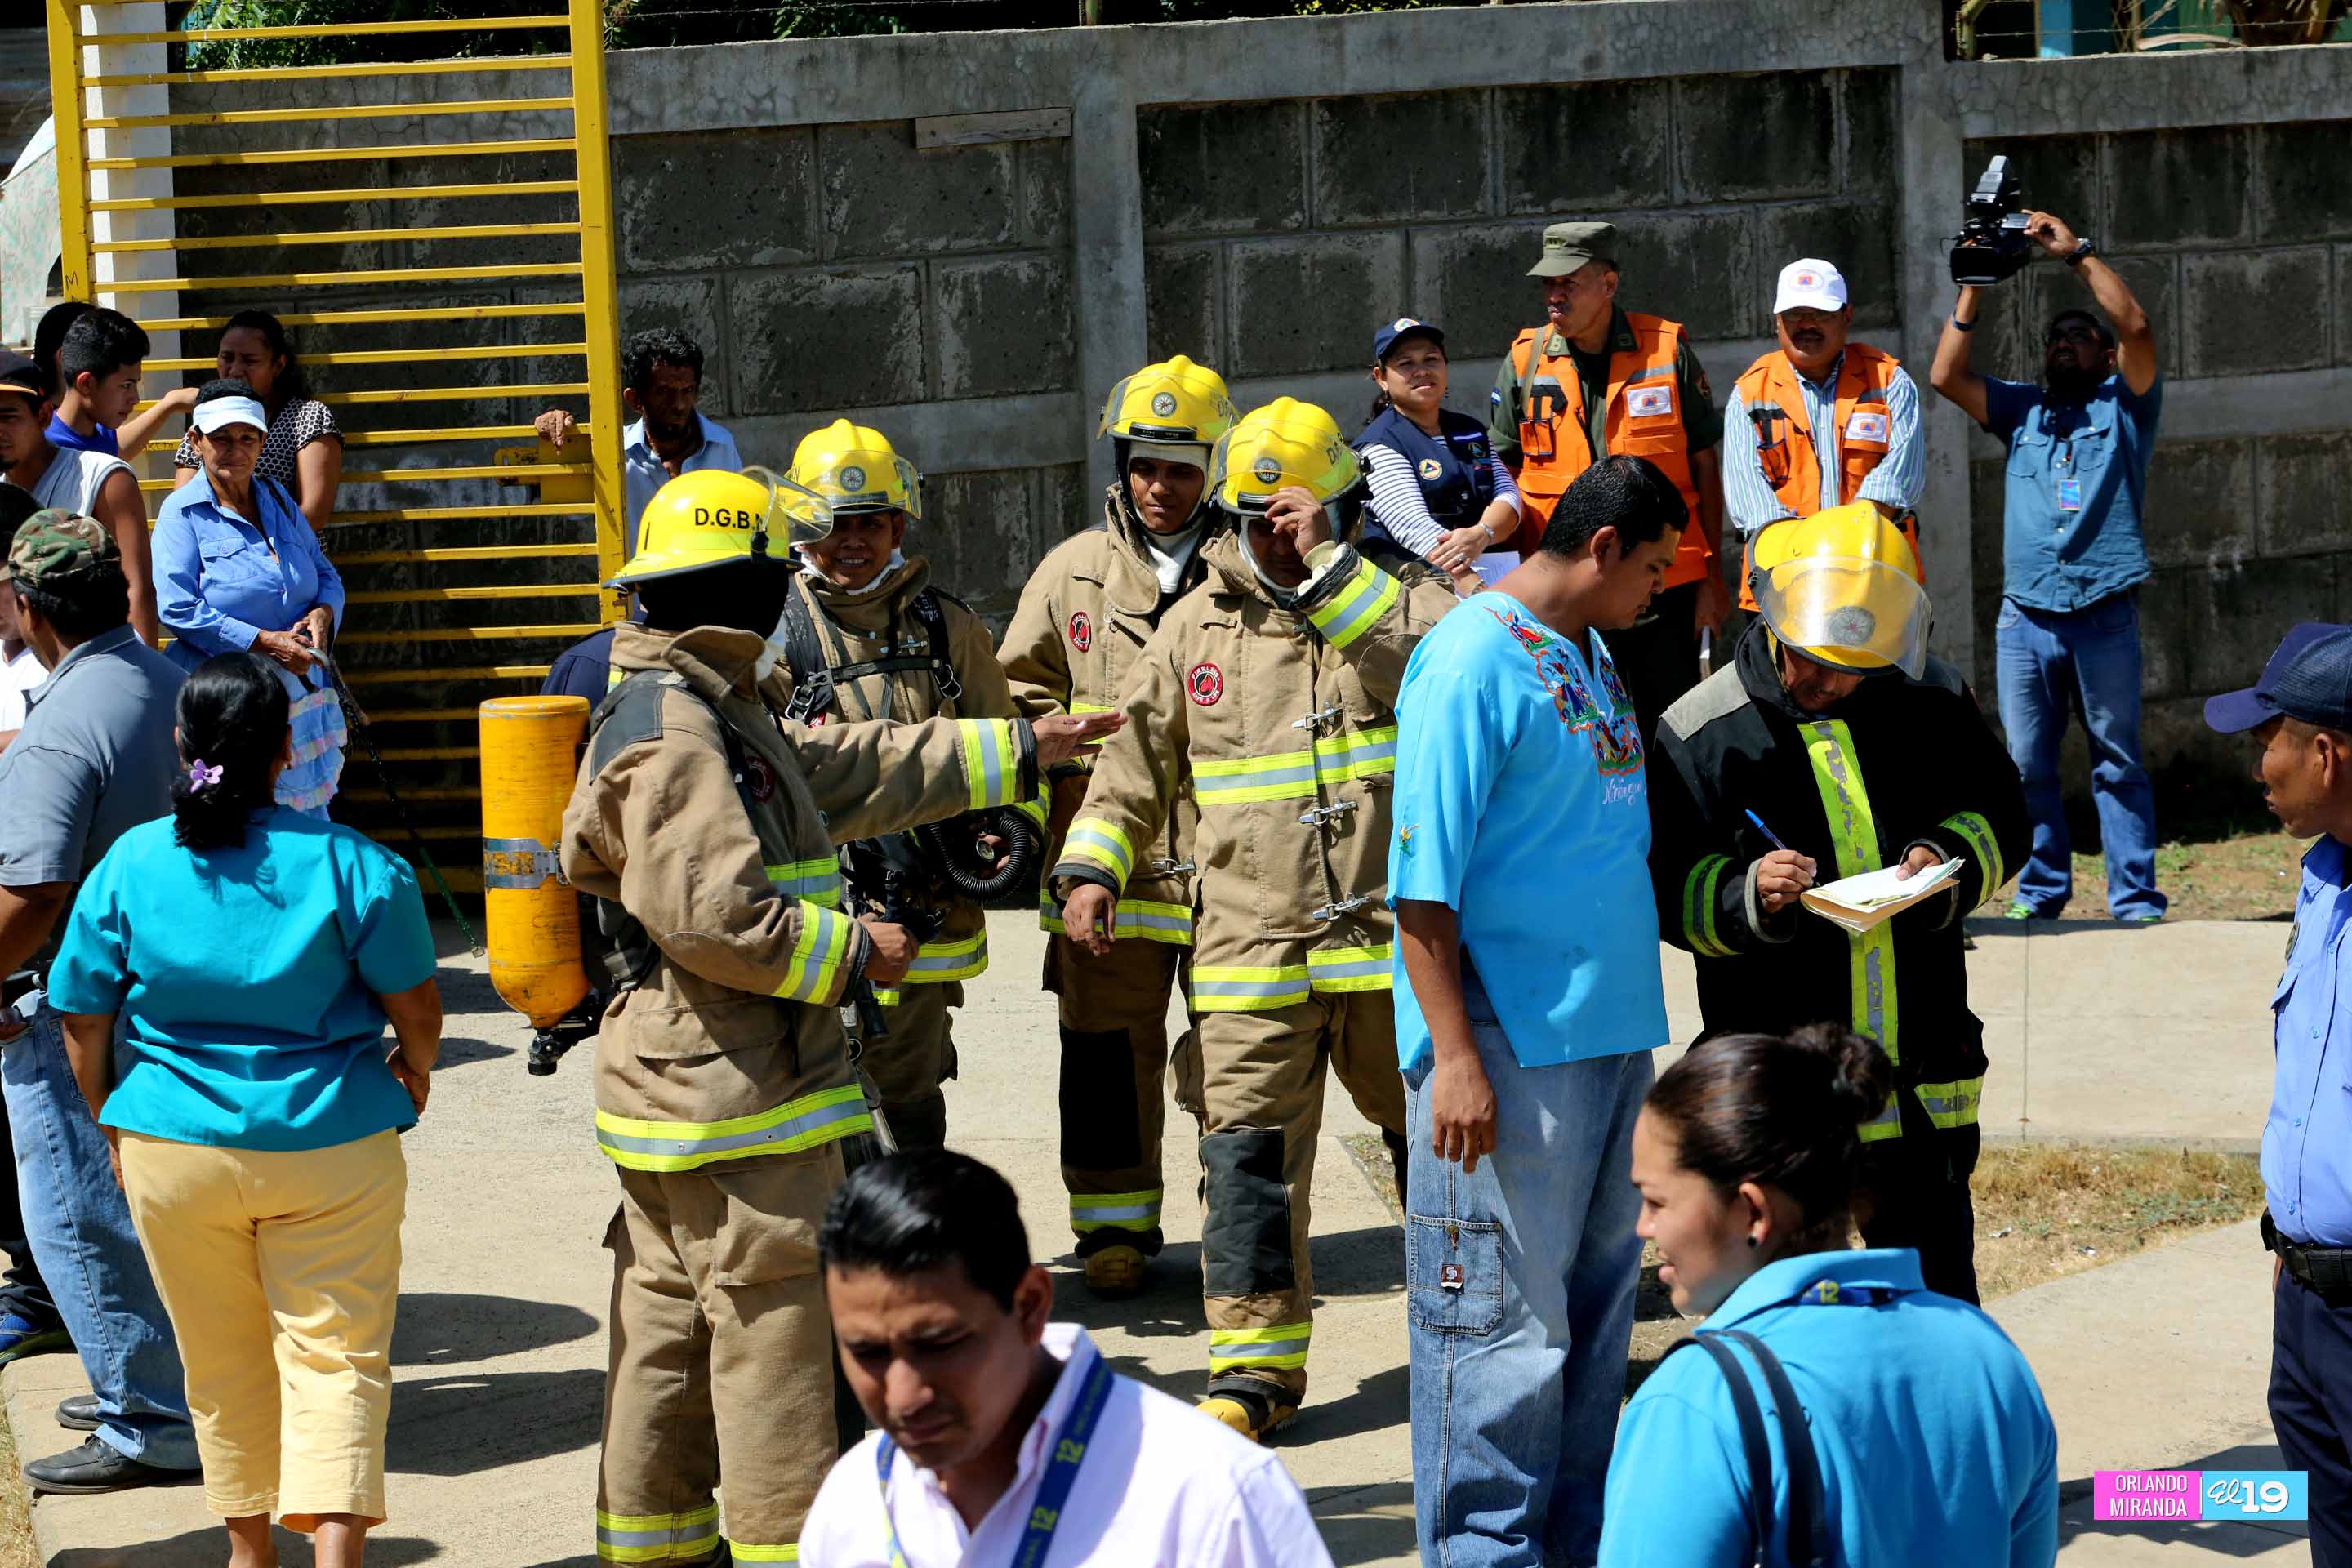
1992	243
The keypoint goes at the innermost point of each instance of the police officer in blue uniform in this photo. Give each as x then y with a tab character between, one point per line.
1438	488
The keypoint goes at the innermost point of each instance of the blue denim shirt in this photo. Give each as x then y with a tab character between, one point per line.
221	580
2308	1140
2075	491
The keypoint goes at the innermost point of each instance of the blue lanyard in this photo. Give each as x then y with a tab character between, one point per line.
1061	1473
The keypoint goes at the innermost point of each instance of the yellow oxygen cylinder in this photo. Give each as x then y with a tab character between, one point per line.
531	749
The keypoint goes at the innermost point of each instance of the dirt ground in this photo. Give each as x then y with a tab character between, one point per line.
2246	876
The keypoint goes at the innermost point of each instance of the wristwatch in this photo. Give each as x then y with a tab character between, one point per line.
2083	248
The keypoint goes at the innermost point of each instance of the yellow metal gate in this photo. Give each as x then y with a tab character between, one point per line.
454	596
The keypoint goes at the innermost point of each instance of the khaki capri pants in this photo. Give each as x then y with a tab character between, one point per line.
281	1274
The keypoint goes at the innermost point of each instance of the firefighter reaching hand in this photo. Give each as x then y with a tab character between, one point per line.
704	827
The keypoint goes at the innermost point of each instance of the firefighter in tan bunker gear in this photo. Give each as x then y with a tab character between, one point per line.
1082	620
1268	692
866	634
704	826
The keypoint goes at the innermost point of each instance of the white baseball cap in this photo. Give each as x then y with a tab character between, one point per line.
1808	283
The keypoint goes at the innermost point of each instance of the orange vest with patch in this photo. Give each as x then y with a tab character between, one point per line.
1645	420
1775	404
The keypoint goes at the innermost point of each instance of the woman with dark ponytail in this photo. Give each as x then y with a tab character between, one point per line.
1928	1440
254	955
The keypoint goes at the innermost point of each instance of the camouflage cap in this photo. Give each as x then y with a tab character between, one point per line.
60	549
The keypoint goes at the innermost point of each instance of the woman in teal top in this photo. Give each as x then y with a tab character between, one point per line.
1928	1432
250	956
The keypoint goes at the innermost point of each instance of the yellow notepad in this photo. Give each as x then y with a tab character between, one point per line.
1858	903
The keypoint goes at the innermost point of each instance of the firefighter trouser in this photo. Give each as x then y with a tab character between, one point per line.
913	1059
1262	1088
1914	1191
721	1361
1114	1056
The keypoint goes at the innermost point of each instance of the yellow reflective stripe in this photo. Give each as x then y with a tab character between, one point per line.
1034	810
937	963
818	881
1359	754
884	996
1977	830
815	975
1116	1211
1147	919
1887	1123
745	1553
795	1125
1248	988
1701	889
1295	775
1099	841
1092	708
1284	1345
1338	969
656	1537
1837	773
1953	1104
1357	606
992	761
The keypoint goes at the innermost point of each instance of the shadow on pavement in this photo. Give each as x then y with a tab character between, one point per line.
1382	1402
438	1329
1366	1262
469	1422
458	1050
1364	1524
210	1546
2249	1536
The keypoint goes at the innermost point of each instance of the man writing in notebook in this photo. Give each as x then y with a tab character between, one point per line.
1830	746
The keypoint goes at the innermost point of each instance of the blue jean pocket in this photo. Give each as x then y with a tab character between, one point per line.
1453	1274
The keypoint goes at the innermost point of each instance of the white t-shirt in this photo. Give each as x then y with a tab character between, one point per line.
73	479
17	676
1161	1486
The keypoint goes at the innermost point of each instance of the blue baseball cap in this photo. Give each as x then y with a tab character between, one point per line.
1402	327
2309	678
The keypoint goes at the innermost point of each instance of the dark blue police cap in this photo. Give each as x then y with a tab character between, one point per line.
2309	678
1402	327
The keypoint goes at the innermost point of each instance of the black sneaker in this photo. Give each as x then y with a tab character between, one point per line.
94	1468
78	1414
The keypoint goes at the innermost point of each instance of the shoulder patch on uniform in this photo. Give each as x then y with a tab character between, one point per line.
631	713
1718	695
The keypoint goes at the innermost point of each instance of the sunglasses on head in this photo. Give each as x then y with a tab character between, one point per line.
2074	333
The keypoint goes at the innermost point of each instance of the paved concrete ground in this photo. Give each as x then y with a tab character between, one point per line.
2158	1360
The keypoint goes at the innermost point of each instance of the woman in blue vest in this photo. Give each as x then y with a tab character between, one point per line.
1928	1435
1438	490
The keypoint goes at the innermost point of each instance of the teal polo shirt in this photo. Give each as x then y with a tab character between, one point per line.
1936	1449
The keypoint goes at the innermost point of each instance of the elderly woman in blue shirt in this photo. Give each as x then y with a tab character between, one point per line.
239	568
1929	1436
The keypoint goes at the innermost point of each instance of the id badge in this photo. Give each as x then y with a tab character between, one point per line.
2070	494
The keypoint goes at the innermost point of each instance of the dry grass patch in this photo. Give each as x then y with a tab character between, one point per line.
16	1506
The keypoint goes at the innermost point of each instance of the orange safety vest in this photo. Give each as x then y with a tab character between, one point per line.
1775	406
1645	420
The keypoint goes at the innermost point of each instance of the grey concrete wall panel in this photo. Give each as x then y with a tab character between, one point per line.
2159	92
807	339
1392	160
2164	634
2233	324
883	197
2303	183
2197	510
2301	492
1227	168
1579	148
1309	302
2343	313
1858	237
672	218
1873	150
693	305
1698	268
2236	615
1182	287
2153	279
2173	188
1030	431
1753	138
1001	325
1044	168
1471	279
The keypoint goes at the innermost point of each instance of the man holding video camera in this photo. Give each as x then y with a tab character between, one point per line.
2068	632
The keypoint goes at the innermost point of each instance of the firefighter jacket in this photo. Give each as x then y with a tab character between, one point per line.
1899	763
1282	721
1074	641
712	824
899	622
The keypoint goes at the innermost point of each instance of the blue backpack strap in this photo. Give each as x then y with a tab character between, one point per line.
1751	1436
1808	1537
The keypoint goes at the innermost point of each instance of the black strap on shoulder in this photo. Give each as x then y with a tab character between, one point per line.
1807	1537
815	681
1751	1439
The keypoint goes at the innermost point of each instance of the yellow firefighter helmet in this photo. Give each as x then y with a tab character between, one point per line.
855	469
1844	587
1172	404
710	517
1282	444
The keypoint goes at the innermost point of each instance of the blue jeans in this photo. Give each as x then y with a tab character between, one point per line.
80	1231
2054	664
1519	1281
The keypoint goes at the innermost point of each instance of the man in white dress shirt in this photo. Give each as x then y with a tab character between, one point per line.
1006	1438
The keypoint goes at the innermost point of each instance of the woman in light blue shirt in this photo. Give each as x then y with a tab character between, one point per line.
1928	1433
250	957
237	568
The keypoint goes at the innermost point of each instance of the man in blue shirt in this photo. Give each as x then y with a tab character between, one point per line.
2300	713
2069	624
1528	1001
661	373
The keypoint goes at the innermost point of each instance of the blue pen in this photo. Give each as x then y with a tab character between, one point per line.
1767	832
